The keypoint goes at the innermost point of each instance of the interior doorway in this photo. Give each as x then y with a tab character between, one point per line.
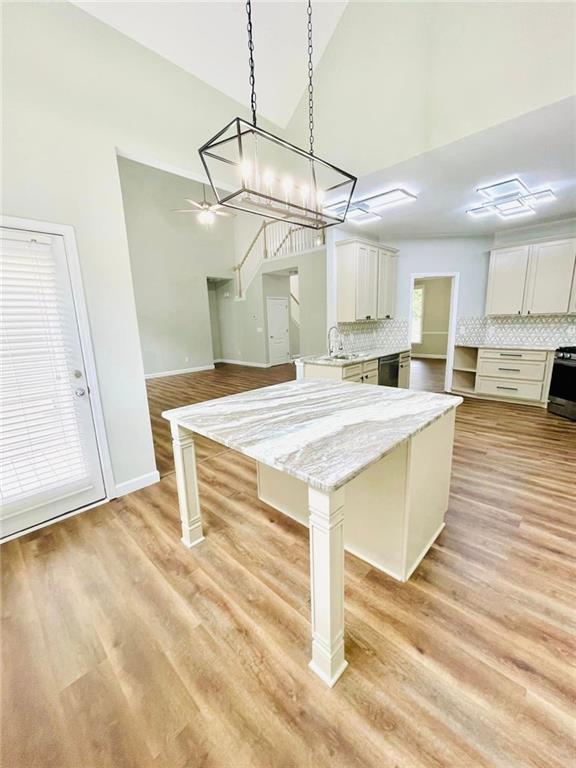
432	319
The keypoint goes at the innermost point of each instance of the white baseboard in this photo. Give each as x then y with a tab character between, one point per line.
195	369
430	357
136	483
243	362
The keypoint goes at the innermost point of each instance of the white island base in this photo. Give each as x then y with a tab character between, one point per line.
394	509
365	468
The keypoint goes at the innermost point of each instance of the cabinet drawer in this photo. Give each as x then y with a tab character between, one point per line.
510	369
351	371
512	354
520	390
371	378
371	365
404	357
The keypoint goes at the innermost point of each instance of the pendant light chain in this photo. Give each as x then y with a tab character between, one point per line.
310	82
251	62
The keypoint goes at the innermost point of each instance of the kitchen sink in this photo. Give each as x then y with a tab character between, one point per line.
339	357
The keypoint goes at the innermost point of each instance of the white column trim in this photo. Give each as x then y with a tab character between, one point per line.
187	485
327	583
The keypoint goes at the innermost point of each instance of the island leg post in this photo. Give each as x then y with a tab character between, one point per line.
327	583
187	484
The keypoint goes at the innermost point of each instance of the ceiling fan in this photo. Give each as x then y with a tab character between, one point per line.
205	211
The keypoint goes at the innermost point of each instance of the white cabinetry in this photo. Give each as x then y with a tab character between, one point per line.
532	279
365	281
550	278
361	373
404	370
520	375
387	261
506	281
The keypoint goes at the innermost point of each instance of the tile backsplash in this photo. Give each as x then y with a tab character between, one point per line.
555	330
365	336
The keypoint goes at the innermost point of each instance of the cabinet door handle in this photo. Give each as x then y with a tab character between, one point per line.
516	370
512	389
510	354
368	317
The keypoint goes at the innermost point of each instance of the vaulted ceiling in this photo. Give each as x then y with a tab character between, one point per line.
209	40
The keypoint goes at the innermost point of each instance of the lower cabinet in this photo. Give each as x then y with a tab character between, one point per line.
520	375
404	370
361	373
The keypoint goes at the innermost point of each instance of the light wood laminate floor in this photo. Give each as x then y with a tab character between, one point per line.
122	649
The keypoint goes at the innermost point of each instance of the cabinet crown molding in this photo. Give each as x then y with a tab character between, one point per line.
370	243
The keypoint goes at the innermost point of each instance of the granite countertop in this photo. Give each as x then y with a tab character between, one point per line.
361	358
500	345
322	432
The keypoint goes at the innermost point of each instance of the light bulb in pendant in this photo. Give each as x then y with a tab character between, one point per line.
320	199
287	184
246	170
305	192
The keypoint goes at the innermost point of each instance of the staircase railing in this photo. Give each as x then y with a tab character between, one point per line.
274	239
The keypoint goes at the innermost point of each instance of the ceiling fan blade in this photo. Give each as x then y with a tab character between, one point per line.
185	210
221	213
193	202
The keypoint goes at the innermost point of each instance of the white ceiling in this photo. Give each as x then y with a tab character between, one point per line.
538	147
209	40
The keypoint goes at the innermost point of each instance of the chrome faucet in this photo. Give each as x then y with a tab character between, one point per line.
340	346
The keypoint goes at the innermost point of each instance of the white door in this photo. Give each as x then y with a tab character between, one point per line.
49	460
366	283
550	280
506	281
278	331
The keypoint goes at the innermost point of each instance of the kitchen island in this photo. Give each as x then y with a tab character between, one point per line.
366	468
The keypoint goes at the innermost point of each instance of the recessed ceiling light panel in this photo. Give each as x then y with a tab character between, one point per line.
510	198
504	189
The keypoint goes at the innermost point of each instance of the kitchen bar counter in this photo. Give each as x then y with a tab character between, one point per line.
360	358
378	458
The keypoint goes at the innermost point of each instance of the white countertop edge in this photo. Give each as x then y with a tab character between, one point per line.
172	416
361	358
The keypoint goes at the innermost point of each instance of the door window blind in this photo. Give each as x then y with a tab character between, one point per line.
41	444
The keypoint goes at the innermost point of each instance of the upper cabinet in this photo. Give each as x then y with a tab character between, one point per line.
387	261
366	281
550	279
506	281
532	279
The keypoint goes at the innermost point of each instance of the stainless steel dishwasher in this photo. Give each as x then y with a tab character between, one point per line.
388	368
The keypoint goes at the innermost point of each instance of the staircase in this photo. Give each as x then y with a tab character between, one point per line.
274	240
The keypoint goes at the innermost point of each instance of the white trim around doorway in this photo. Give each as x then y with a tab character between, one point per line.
455	276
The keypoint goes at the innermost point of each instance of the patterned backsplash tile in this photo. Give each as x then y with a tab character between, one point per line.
556	330
367	335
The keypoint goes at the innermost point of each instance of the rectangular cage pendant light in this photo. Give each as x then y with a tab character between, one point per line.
252	170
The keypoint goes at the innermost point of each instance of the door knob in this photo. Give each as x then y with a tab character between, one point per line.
80	392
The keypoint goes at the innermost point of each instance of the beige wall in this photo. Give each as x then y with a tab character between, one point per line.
436	316
74	91
171	256
243	323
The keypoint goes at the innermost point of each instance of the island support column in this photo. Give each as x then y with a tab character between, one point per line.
327	583
187	484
